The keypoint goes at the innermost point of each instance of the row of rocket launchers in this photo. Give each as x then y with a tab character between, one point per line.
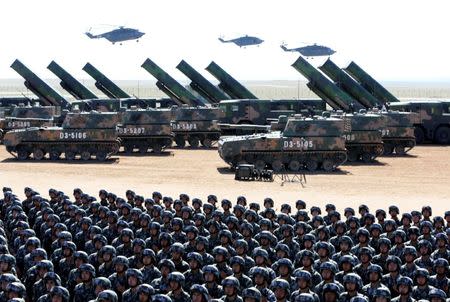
349	89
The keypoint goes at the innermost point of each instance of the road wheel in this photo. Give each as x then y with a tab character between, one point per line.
143	148
442	135
328	165
128	148
101	156
70	155
352	156
194	142
260	164
294	165
400	150
23	154
54	155
85	155
38	154
419	134
157	149
388	149
207	143
277	165
180	141
367	158
312	165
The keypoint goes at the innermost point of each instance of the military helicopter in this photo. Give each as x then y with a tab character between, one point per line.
311	50
243	41
120	34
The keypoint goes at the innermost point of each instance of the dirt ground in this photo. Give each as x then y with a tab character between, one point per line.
421	178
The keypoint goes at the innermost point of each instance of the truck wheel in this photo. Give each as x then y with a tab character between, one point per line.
143	148
23	154
85	155
328	165
157	149
367	158
193	141
54	155
312	165
400	150
277	165
419	134
128	148
388	149
70	155
180	141
442	135
207	143
294	165
38	154
100	156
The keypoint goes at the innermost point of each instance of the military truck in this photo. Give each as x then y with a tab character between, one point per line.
83	135
309	143
432	122
145	129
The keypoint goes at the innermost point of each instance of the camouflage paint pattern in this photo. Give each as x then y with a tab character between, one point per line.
229	84
70	84
170	86
304	142
145	129
250	111
433	121
39	87
84	134
201	85
326	87
370	84
104	84
349	85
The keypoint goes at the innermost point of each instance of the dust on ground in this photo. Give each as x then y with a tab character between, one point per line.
421	178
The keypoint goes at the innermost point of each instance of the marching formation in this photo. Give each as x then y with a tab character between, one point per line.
108	248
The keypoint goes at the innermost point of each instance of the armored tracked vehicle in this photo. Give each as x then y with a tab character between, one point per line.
309	143
196	125
83	135
145	130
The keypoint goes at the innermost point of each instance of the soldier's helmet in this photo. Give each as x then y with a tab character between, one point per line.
102	282
237	260
421	272
86	267
405	281
176	277
107	296
259	271
437	293
161	298
146	289
59	291
331	287
132	272
302	274
359	299
231	281
211	269
303	297
382	292
16	287
328	266
252	293
201	289
353	278
280	283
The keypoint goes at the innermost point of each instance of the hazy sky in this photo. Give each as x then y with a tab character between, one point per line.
391	39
